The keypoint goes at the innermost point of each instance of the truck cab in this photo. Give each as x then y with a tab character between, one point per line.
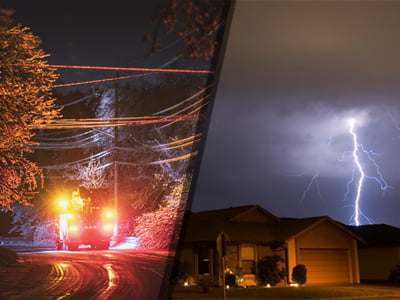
85	222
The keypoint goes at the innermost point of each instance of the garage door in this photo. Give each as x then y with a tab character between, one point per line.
325	266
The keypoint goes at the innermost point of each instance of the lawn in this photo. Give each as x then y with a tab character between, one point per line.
353	292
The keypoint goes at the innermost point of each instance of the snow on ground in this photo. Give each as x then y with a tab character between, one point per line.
127	243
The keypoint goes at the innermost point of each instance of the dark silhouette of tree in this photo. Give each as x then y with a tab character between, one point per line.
26	100
197	22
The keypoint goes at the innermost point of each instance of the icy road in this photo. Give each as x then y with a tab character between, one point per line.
112	274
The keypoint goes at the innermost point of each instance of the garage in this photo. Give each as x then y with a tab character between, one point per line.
326	265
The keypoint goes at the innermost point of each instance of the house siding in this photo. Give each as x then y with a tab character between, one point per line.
327	236
186	257
377	263
292	255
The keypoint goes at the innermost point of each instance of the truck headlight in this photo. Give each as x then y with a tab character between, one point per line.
108	227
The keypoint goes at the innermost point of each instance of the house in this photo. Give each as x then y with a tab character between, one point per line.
327	248
379	256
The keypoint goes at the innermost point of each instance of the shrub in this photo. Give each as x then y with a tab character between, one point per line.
299	274
269	270
206	281
395	274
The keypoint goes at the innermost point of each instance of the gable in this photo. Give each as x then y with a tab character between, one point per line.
254	215
324	234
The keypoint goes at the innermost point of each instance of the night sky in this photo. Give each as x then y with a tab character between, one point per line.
294	74
94	33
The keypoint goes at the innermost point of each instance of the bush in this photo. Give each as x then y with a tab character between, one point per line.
269	271
395	274
299	274
230	279
206	281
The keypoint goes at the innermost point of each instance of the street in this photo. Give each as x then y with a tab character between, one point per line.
85	274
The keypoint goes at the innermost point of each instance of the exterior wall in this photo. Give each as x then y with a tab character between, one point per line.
377	263
264	251
232	257
356	265
189	259
185	255
327	236
324	235
291	259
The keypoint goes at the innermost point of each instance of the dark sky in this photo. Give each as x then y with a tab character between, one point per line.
93	33
294	74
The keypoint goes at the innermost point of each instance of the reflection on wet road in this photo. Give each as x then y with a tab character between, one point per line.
112	274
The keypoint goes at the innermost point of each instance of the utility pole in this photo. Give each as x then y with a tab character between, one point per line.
116	139
221	242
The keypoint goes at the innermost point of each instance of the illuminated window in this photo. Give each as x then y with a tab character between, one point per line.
247	258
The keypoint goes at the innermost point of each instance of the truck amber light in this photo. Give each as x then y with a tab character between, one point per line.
108	227
73	228
109	214
63	204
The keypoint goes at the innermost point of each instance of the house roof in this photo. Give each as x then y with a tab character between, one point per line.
237	223
378	235
207	225
232	213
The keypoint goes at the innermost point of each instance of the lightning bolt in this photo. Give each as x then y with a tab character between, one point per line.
313	180
360	169
357	151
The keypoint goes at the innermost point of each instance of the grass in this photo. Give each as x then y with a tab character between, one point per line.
358	292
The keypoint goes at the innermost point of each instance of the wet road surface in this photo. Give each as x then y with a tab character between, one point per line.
111	274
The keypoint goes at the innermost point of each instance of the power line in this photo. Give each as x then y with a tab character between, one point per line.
111	122
117	68
183	101
173	143
99	80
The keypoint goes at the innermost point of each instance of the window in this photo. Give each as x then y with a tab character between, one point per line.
247	258
204	261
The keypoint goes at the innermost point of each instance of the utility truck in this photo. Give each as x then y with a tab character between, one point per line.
84	221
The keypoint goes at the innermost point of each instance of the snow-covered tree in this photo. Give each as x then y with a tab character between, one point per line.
91	176
159	229
25	100
33	224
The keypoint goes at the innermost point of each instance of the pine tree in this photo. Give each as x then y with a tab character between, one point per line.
25	100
